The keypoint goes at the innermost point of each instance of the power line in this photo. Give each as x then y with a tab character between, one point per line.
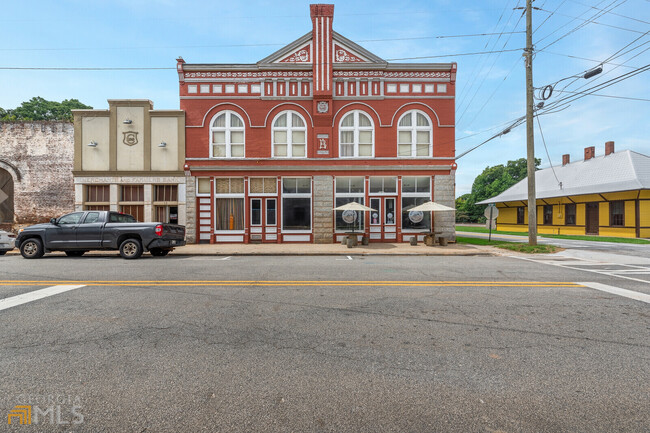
483	64
12	68
241	45
485	77
547	154
611	13
465	88
606	96
584	58
17	68
457	55
578	27
578	95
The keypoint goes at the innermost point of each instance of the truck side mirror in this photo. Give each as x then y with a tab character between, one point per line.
53	221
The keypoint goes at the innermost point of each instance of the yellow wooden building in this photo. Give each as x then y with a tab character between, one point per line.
606	195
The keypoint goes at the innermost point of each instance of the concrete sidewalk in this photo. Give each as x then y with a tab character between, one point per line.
395	249
388	249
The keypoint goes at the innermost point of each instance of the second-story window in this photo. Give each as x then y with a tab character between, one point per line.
227	136
289	136
414	135
356	135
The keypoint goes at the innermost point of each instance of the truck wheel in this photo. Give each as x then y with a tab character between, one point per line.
32	249
75	253
131	249
159	252
3	252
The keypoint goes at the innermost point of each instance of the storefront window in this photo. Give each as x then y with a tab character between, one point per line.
229	207
296	204
383	185
229	213
416	190
415	220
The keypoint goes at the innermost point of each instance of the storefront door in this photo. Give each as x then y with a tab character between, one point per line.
383	226
263	219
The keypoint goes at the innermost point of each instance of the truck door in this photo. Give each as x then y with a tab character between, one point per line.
64	233
89	231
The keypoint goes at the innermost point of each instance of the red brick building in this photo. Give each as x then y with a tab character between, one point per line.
276	145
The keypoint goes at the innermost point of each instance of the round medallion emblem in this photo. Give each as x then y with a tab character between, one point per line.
322	107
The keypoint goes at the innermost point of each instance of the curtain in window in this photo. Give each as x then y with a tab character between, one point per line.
229	213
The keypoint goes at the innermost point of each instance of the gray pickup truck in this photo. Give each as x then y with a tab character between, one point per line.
79	232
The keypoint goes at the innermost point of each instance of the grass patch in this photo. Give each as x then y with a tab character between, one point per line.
473	229
512	246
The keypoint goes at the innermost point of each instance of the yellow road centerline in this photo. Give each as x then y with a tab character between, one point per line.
284	282
306	283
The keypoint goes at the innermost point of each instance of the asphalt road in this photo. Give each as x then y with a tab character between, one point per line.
637	250
278	344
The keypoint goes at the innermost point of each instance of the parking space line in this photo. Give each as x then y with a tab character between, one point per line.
618	291
35	295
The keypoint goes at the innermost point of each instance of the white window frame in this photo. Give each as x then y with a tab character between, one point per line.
203	194
262	194
289	130
297	195
414	129
228	129
416	194
352	195
356	129
216	195
383	192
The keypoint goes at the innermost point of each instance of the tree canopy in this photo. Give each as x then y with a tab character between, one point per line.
492	181
39	108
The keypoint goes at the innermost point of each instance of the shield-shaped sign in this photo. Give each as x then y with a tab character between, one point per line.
130	138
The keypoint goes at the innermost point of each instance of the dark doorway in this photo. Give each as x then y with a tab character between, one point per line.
592	219
6	197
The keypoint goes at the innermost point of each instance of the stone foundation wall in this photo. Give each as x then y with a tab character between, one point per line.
444	192
323	205
39	157
190	226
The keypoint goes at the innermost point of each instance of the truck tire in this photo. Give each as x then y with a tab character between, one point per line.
75	253
131	249
3	252
32	248
159	252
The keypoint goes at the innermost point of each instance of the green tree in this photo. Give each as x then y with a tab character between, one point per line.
491	182
41	109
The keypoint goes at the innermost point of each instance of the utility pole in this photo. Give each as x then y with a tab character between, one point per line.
530	132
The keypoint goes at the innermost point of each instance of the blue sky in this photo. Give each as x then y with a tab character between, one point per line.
490	88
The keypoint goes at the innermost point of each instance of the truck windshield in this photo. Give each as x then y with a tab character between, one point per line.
122	218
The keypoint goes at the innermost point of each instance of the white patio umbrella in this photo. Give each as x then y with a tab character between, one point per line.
353	207
431	206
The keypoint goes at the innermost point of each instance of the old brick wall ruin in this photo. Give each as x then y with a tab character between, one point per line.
39	158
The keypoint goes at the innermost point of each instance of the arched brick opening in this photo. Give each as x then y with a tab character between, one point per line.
6	197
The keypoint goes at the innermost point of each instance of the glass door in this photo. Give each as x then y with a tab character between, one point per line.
376	219
389	229
263	225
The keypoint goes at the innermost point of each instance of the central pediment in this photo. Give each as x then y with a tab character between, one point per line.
301	50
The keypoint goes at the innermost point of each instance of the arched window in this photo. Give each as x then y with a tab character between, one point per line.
289	135
356	135
414	134
227	136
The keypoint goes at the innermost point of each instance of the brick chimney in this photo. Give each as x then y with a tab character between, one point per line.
609	147
566	159
590	152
